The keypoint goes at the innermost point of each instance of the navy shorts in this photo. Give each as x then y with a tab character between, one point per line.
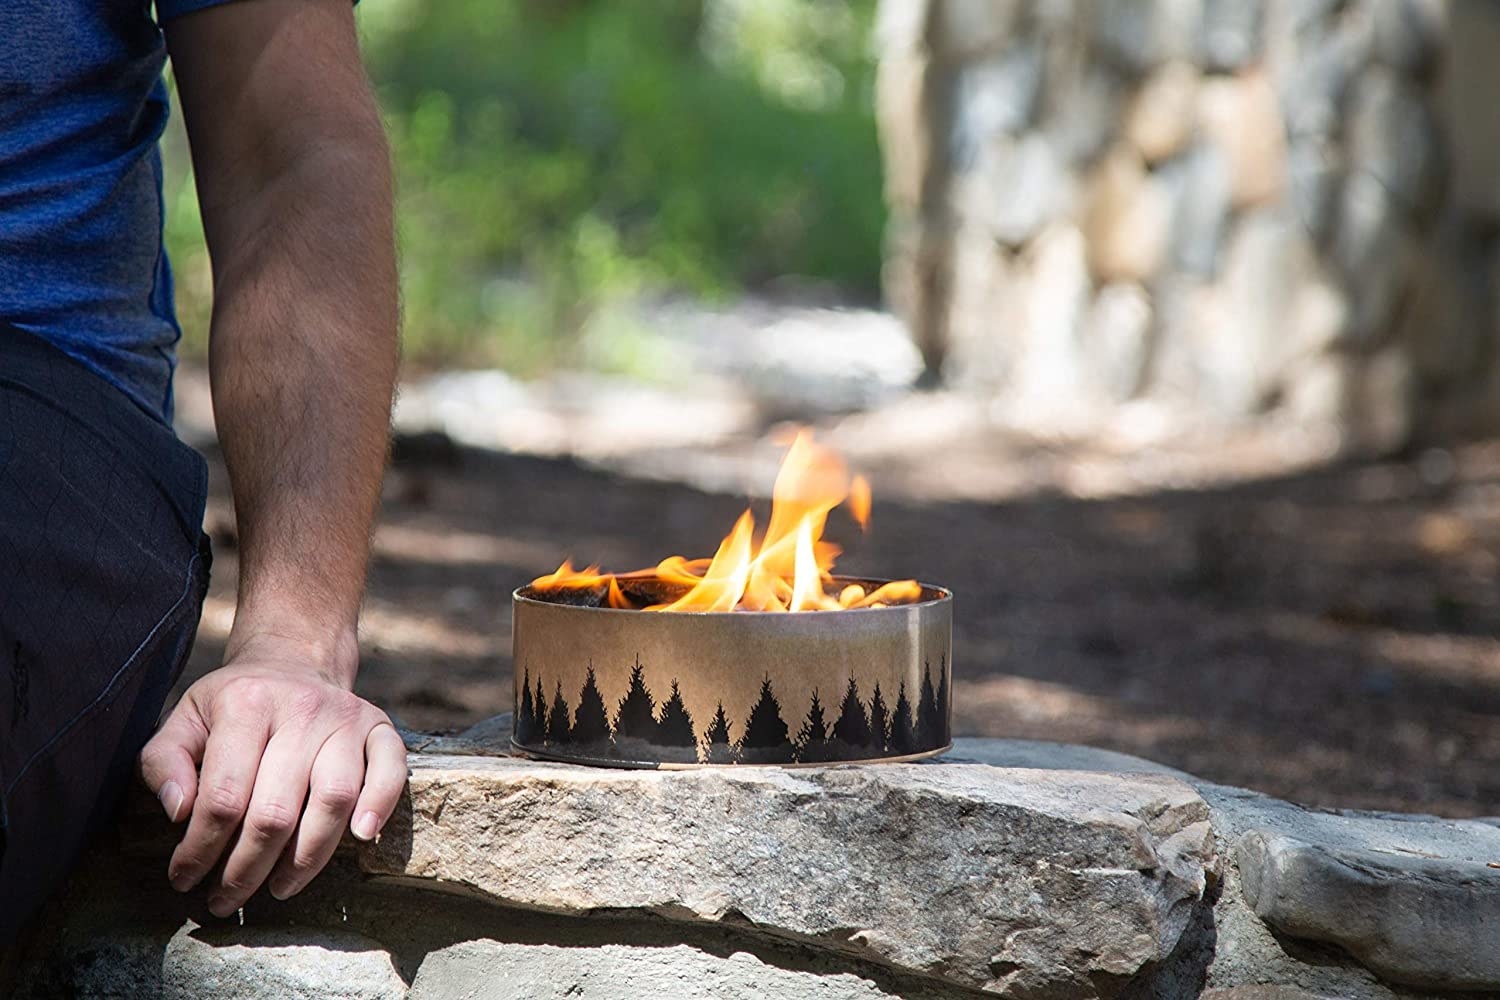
103	569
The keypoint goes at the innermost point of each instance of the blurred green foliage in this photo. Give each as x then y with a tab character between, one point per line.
558	157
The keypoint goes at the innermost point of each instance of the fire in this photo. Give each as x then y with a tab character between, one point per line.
786	569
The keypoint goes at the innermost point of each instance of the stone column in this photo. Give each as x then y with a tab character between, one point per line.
1246	209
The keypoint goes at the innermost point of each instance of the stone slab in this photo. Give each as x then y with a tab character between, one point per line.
277	964
116	954
1411	898
1023	882
1420	909
494	970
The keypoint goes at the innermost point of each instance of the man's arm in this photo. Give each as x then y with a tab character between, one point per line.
270	757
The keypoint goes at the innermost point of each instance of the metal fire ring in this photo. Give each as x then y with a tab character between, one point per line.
680	689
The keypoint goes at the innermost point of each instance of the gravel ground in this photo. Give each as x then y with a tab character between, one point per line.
1326	635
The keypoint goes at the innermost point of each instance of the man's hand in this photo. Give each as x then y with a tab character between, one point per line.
289	757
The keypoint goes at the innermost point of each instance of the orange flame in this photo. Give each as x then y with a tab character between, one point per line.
786	570
859	501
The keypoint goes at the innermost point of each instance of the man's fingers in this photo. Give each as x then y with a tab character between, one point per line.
271	818
337	775
169	762
287	765
385	776
230	762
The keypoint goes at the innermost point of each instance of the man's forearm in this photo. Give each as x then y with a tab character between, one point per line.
303	357
294	181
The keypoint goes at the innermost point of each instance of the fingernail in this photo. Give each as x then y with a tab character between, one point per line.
367	826
181	881
221	906
282	890
171	799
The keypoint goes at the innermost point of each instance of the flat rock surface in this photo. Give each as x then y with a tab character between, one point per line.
1418	902
1052	757
1030	883
1413	898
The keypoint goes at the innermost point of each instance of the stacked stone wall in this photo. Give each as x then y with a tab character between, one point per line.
1243	208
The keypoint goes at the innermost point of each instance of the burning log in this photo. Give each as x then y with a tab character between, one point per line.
788	569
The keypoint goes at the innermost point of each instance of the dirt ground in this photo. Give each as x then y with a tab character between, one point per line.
1328	636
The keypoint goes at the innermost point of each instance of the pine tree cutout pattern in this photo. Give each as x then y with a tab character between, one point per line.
675	727
852	728
718	745
641	732
812	741
929	724
766	738
539	712
880	721
903	725
636	716
559	729
525	713
590	721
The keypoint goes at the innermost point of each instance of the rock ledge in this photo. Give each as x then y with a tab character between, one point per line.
985	877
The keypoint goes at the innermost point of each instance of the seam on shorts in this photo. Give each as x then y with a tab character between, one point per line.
110	689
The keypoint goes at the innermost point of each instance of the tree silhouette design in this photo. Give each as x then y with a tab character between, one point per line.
853	725
525	712
765	740
945	703
636	716
590	723
880	721
539	712
717	746
903	734
675	728
929	718
558	728
812	741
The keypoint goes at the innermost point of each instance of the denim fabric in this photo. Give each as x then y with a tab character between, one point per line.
103	570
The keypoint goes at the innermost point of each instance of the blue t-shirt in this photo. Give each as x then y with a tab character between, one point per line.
82	264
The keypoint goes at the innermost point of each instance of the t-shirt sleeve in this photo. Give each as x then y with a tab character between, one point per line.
168	9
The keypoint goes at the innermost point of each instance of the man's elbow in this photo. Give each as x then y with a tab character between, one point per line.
355	147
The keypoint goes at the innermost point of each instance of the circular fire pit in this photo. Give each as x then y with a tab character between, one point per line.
629	688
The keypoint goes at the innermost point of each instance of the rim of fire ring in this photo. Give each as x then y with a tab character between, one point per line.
657	765
941	595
